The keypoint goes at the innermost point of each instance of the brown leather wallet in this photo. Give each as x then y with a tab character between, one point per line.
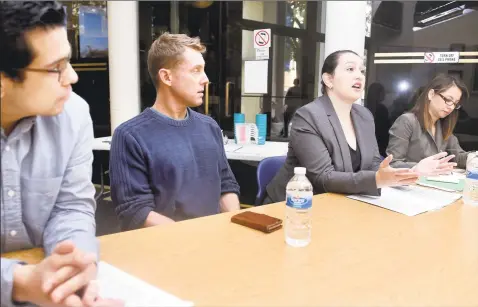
258	221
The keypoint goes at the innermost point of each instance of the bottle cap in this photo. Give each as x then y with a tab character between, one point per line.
299	170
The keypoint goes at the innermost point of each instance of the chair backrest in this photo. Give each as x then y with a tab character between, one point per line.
266	170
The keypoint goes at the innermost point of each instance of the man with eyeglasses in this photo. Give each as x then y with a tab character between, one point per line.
47	198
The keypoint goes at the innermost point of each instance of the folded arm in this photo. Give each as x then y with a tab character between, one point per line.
130	189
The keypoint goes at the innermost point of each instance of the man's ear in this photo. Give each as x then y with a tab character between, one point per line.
164	76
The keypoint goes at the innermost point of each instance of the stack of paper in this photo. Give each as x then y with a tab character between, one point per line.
117	284
410	200
449	183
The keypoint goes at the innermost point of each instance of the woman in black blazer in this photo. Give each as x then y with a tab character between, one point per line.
334	139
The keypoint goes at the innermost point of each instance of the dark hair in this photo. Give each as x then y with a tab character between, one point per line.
18	17
439	84
330	64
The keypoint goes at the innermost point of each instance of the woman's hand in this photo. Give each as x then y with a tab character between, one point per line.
435	165
387	176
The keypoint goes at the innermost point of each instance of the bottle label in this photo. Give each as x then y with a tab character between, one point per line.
298	202
471	189
472	175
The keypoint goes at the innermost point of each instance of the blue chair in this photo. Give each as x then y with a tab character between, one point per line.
266	170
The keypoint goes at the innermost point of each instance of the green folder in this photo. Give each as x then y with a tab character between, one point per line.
446	185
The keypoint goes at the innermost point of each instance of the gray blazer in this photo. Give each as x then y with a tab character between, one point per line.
317	142
409	143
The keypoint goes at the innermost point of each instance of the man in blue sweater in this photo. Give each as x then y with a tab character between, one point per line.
168	163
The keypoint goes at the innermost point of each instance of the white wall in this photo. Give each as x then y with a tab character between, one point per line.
123	58
345	26
253	10
267	12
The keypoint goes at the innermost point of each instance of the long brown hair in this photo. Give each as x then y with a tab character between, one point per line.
439	84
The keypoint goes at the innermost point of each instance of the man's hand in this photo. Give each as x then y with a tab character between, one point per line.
91	298
229	202
54	281
155	219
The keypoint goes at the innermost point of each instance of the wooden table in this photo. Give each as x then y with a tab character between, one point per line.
360	255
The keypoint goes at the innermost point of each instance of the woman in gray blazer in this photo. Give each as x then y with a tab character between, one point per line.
334	138
428	128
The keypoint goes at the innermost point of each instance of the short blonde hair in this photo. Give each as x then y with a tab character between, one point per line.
166	52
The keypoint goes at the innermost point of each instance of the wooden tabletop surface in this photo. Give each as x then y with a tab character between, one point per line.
360	255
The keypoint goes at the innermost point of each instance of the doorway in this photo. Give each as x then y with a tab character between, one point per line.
226	29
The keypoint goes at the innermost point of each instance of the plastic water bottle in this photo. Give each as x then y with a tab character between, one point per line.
470	192
298	209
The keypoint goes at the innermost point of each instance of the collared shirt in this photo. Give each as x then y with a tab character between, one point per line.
46	191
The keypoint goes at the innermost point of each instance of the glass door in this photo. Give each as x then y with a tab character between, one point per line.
213	22
226	29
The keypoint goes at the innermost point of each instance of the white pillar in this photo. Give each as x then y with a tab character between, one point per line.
123	54
345	26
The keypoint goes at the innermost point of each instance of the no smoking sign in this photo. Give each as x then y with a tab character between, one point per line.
429	57
262	38
441	57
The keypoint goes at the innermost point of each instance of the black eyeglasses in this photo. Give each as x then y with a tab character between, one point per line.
60	69
450	102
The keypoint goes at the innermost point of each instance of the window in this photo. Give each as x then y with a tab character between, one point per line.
290	13
87	28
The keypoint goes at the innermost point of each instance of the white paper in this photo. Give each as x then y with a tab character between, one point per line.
252	149
115	283
444	178
255	77
410	200
231	147
262	53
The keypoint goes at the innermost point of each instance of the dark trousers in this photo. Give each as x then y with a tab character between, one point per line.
288	114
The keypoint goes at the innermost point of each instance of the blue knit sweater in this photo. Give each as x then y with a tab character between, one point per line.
177	168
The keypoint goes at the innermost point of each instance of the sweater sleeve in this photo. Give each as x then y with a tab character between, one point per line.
130	189
228	181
